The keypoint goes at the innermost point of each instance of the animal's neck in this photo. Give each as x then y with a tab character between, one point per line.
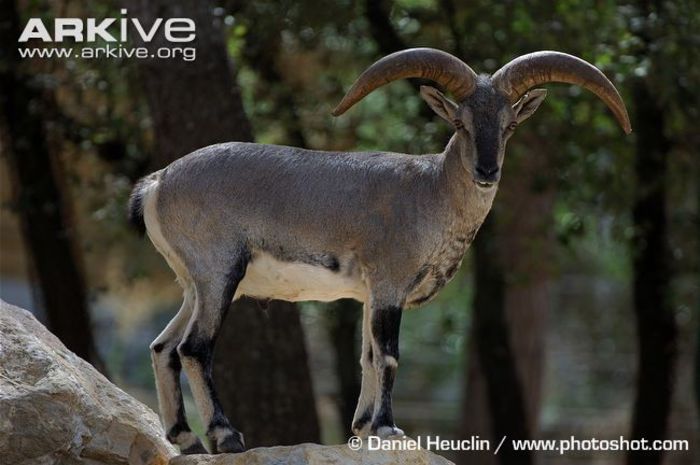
457	154
470	204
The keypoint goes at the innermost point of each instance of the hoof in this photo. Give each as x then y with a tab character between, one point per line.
386	432
196	448
361	429
231	444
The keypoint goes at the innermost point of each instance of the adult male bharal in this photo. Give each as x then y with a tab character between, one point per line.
387	229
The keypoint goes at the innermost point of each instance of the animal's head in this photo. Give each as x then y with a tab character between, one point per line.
488	109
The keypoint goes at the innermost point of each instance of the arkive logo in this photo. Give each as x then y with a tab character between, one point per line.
175	29
115	32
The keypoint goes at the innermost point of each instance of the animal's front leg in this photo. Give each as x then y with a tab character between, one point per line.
365	404
385	323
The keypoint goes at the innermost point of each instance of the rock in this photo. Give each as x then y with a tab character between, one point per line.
55	408
314	454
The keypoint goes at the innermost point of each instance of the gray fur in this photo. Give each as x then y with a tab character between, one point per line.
396	210
393	228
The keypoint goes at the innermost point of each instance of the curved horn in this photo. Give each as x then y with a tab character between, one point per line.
527	71
428	63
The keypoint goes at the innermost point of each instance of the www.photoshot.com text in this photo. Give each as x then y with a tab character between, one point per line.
477	444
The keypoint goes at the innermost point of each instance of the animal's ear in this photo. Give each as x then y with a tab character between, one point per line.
526	106
444	107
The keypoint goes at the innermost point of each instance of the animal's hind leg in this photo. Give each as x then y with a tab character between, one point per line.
196	350
365	404
166	366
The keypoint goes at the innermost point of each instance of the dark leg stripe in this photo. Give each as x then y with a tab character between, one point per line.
198	345
219	420
364	419
233	278
181	419
177	429
385	329
174	361
385	416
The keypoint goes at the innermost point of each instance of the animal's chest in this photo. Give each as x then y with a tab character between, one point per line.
440	267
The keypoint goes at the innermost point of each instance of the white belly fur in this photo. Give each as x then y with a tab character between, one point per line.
268	278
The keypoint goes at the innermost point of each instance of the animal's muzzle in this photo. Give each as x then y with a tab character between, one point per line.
487	176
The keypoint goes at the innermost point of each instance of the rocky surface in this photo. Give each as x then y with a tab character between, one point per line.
55	408
314	454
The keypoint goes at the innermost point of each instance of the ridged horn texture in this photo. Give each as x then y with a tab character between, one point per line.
527	71
427	63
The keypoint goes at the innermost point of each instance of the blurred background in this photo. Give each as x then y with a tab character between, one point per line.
576	312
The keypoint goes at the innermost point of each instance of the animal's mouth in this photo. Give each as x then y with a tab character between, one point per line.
484	184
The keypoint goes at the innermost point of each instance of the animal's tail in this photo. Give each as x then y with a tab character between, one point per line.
137	199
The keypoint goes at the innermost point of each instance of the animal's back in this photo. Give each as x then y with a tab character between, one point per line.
287	206
304	195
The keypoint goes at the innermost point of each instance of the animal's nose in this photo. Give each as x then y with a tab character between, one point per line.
487	174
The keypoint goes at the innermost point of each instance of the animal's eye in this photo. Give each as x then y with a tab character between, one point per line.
512	126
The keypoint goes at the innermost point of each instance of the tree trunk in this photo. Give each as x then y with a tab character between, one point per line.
40	200
388	40
697	365
657	332
656	326
193	103
262	376
383	32
697	337
525	233
504	392
261	50
260	366
476	414
521	237
342	318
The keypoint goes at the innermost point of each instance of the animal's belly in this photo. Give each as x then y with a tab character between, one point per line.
268	278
